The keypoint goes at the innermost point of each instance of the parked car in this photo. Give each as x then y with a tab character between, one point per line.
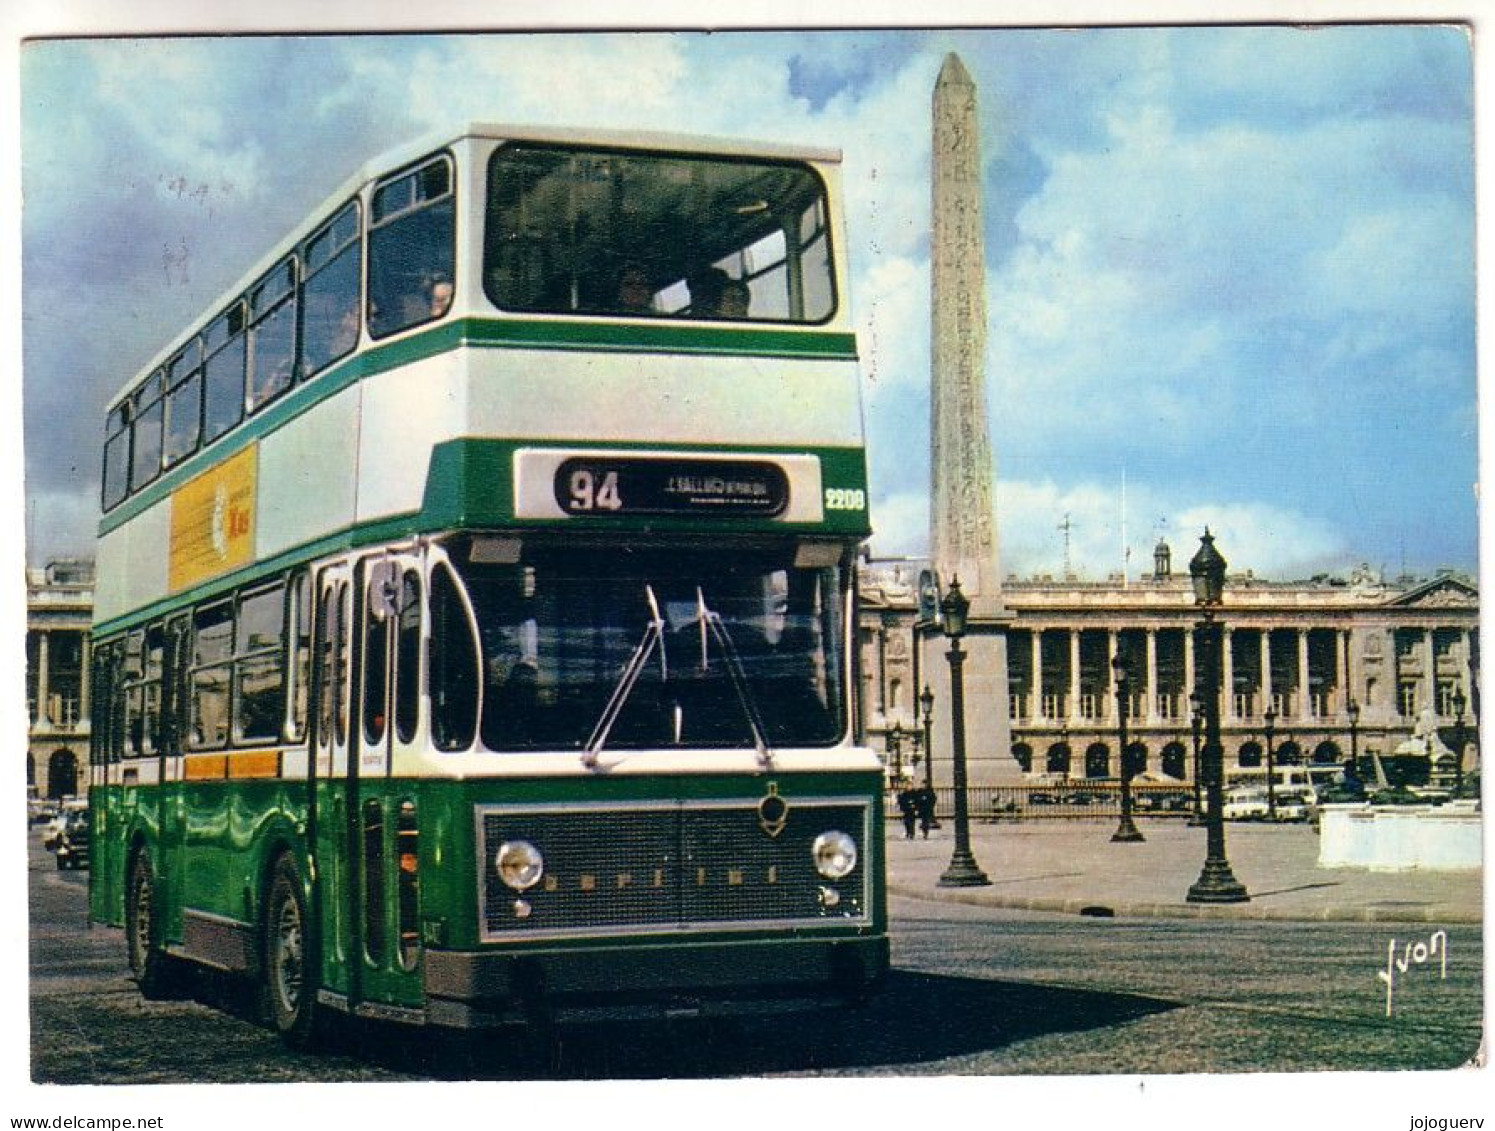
1295	804
1246	803
53	830
72	841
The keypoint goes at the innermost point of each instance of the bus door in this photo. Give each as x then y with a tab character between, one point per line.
385	701
359	826
171	739
332	650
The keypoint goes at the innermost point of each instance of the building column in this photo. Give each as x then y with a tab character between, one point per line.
1305	689
1466	674
1189	677
1151	711
1227	708
1038	711
1113	649
1265	692
1341	671
1430	665
43	686
882	669
1074	673
85	691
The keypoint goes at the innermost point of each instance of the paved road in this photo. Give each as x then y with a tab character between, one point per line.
975	990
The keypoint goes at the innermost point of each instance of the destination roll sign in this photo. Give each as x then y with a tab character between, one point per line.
610	485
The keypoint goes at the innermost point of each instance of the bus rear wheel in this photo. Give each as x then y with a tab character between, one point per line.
149	964
289	983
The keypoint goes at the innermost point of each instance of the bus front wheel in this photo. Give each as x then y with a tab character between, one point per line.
148	962
289	984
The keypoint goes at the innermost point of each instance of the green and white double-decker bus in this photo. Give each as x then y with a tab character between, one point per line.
473	637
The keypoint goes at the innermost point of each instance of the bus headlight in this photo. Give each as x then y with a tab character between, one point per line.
519	864
835	854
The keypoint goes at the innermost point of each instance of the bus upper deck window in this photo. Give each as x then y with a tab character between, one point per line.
224	382
411	254
330	300
183	403
635	234
147	420
272	344
117	456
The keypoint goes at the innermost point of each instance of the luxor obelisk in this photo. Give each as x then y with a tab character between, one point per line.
962	518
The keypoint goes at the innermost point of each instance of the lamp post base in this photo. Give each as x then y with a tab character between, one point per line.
963	872
1217	884
1127	832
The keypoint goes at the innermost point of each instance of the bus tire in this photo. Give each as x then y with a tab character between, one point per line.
289	985
149	963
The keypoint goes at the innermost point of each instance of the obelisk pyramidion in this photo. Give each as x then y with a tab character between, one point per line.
962	518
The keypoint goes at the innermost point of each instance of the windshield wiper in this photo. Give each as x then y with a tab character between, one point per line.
653	636
712	622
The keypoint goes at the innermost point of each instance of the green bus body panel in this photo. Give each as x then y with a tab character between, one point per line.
235	829
470	483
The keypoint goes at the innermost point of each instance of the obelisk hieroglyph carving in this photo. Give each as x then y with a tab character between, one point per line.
962	518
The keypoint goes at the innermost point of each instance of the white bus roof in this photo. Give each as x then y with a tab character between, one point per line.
413	150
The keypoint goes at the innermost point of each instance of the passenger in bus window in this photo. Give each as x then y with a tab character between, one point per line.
715	294
706	292
438	291
635	295
735	299
431	298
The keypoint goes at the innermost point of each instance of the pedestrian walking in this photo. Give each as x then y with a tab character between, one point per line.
908	809
924	807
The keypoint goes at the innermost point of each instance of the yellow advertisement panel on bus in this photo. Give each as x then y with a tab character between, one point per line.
212	521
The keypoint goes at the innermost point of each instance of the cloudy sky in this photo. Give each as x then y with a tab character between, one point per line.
1229	268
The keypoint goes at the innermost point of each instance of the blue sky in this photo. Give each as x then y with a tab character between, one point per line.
1233	267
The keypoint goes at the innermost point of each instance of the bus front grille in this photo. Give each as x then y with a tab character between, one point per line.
692	866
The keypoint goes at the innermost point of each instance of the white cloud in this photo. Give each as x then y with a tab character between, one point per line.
900	525
1102	540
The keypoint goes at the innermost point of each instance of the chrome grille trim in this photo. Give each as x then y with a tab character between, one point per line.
721	835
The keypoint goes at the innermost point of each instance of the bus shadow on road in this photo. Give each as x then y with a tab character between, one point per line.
917	1021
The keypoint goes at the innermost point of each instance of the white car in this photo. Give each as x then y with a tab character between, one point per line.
1295	804
1246	803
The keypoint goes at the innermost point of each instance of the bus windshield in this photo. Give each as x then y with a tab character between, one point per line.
651	235
729	643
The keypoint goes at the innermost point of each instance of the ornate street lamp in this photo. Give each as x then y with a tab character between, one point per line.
1269	721
1459	703
1126	831
926	701
895	750
1216	882
963	871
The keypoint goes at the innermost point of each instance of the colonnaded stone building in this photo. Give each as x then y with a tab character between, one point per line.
59	607
1388	668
